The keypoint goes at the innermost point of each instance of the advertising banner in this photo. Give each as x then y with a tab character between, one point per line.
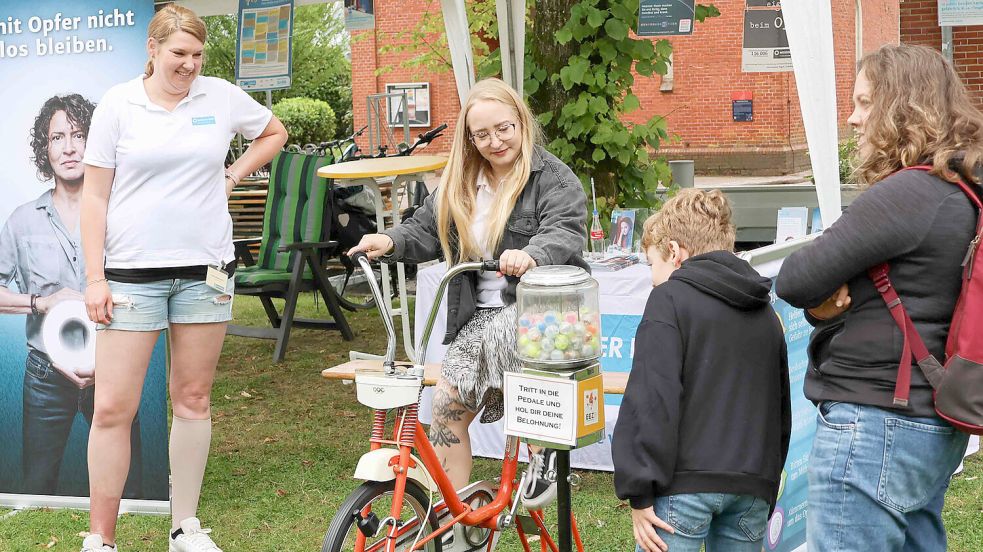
263	46
787	526
765	45
666	17
57	59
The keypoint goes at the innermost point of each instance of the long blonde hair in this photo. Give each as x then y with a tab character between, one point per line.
169	20
458	185
920	114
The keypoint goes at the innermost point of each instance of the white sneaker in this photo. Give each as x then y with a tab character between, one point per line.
540	489
193	538
93	543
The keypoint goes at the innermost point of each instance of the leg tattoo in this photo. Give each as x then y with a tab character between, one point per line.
445	409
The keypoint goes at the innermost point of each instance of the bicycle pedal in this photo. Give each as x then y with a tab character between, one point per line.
528	525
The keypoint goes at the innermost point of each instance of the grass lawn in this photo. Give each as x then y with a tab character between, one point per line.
285	444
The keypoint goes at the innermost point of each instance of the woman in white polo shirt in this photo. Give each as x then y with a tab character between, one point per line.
157	239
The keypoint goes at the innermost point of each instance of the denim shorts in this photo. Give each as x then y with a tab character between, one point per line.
152	306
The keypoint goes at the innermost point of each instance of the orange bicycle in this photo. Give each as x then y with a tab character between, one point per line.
395	510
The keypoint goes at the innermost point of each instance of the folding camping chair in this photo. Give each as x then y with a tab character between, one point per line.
292	252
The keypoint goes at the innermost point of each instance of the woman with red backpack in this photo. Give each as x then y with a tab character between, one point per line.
882	457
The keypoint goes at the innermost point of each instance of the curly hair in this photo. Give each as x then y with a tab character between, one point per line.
79	112
920	114
698	220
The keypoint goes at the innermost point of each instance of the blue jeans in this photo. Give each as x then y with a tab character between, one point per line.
51	403
725	522
877	479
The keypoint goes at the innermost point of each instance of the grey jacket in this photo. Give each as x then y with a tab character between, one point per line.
548	222
920	225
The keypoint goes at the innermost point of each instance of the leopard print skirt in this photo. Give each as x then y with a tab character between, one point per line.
482	351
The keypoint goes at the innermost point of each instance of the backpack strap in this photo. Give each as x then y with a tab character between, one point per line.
914	347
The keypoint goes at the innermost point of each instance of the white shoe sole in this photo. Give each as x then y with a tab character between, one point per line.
540	502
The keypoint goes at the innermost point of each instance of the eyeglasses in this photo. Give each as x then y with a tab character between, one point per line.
504	131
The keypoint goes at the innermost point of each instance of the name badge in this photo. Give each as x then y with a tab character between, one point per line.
217	279
201	121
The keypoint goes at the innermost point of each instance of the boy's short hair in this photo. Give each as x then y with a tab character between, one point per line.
699	220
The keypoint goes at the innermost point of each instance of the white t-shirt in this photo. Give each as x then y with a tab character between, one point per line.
490	286
168	205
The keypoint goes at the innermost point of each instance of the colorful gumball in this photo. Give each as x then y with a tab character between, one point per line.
550	317
570	317
547	344
556	355
561	342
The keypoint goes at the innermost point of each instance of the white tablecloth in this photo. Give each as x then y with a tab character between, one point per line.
622	297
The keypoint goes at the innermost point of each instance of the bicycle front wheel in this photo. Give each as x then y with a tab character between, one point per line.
376	497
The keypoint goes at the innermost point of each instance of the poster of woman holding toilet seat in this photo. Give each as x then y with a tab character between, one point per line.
59	57
40	254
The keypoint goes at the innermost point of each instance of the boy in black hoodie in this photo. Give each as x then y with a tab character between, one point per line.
703	430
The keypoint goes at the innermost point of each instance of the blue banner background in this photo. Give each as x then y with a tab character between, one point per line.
31	73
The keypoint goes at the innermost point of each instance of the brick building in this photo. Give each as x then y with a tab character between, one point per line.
706	73
920	25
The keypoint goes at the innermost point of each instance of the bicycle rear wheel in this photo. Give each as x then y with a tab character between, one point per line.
376	496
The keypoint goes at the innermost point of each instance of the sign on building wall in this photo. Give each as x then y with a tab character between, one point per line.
958	13
665	17
417	104
57	59
263	46
765	45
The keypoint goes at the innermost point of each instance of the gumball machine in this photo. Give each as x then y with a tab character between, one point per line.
559	323
560	403
557	400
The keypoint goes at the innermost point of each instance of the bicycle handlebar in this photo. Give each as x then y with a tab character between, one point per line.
485	266
362	260
431	134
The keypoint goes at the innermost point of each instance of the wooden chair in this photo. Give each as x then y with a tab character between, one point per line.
292	252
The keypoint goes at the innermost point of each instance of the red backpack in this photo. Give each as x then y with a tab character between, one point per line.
958	386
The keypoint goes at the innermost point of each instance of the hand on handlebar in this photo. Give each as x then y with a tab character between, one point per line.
373	245
514	262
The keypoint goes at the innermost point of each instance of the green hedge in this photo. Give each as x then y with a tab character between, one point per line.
308	121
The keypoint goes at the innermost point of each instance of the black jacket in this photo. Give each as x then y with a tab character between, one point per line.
707	405
921	226
549	222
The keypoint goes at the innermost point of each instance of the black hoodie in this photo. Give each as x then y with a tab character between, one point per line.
707	407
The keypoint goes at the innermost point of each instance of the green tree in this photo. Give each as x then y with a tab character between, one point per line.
580	70
308	121
321	69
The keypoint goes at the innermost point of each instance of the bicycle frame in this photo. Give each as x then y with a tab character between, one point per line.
409	434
